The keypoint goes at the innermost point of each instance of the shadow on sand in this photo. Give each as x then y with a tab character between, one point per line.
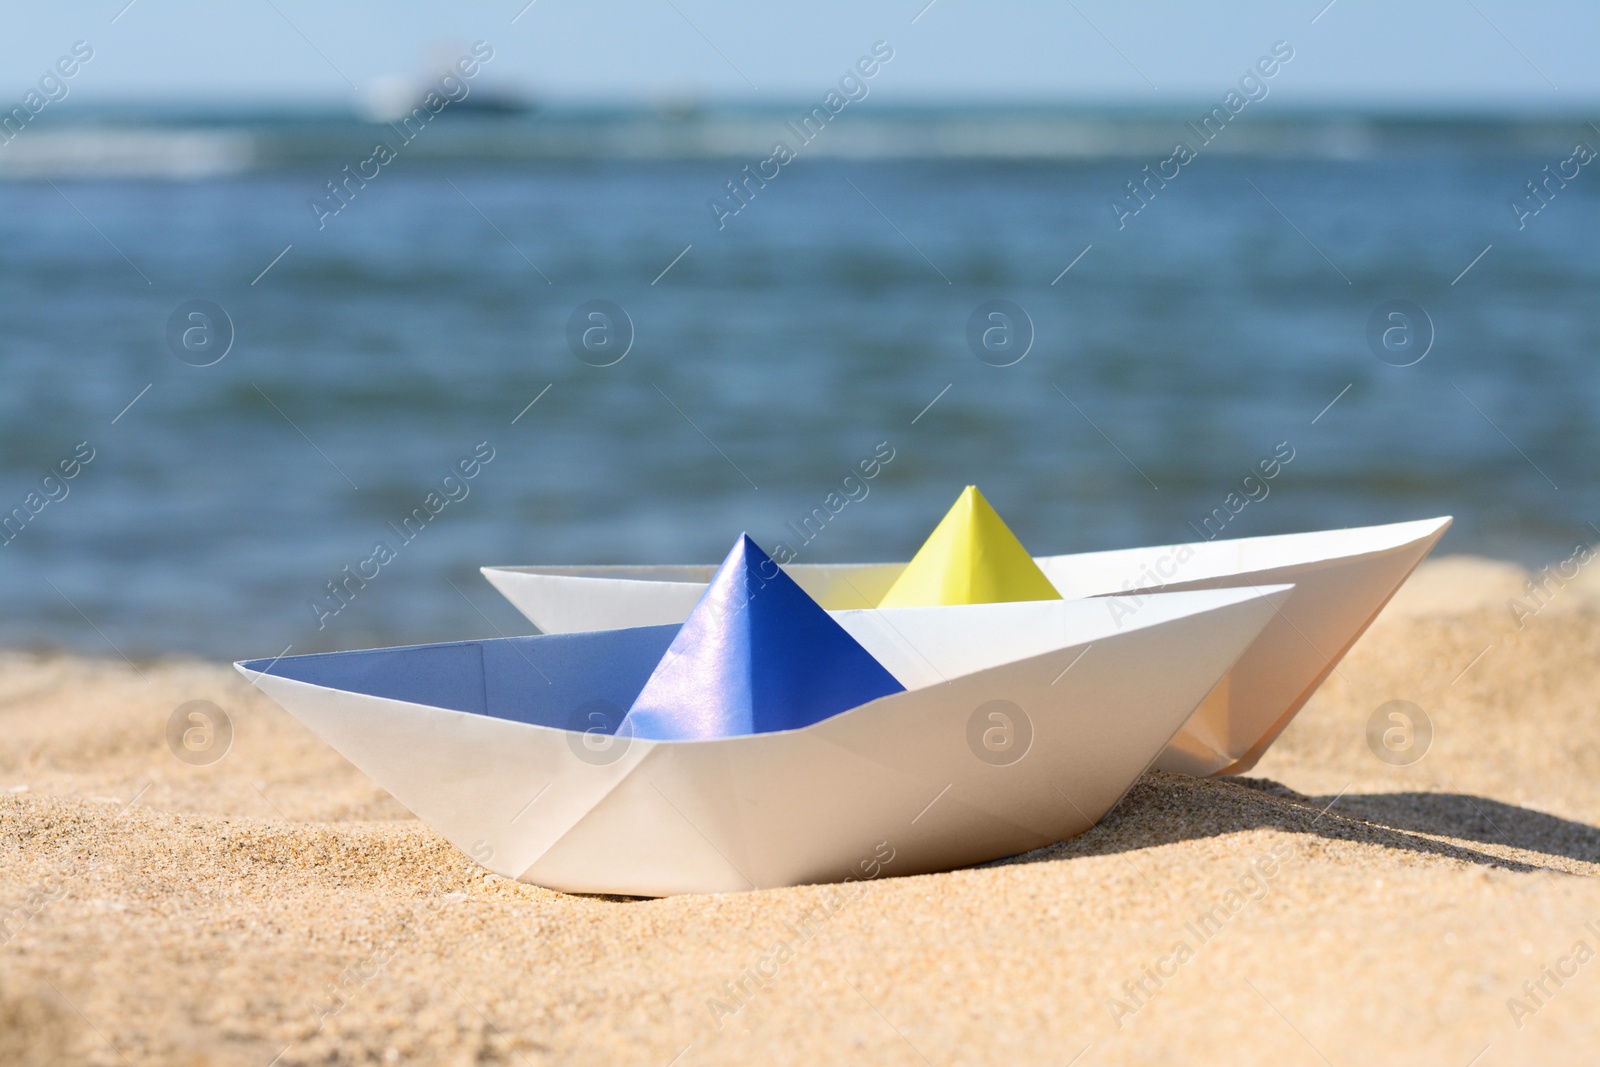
1166	808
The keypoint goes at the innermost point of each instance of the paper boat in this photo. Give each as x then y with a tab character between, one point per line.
1342	579
1020	724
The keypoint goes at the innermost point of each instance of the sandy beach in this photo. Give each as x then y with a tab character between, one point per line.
1330	908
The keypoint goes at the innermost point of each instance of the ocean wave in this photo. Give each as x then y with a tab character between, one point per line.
182	149
173	154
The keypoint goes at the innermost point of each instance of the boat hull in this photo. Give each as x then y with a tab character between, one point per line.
491	743
1343	578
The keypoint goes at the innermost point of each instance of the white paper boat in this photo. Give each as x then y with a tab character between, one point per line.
490	743
1342	579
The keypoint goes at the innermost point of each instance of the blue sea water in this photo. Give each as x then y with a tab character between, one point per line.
827	319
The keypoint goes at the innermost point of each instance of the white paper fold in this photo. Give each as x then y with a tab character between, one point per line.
1086	697
1343	578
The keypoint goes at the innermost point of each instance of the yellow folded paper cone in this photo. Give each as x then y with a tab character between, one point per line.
972	557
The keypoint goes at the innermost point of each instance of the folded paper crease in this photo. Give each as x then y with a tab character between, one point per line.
1342	580
497	759
756	654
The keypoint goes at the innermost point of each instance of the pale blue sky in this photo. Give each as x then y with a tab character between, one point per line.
1497	54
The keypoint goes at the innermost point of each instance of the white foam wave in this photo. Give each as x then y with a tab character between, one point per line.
126	153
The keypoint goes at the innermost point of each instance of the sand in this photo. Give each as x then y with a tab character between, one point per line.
276	907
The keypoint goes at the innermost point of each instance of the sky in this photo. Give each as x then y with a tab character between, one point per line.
1496	55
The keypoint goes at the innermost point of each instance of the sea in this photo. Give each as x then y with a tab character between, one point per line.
277	349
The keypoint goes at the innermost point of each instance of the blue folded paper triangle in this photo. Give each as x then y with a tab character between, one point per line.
757	654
